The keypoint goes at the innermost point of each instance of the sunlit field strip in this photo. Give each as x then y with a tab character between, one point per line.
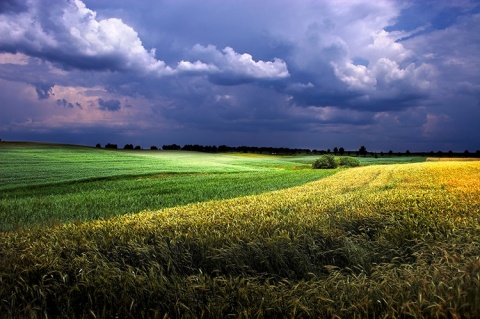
29	164
379	241
105	198
39	164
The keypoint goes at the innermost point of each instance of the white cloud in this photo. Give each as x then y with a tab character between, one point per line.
390	73
195	67
244	64
356	76
344	46
70	34
384	45
230	63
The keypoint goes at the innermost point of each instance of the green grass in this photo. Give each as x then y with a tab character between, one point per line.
27	164
81	201
40	164
391	160
50	184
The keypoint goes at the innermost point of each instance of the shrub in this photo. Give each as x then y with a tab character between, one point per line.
349	161
325	162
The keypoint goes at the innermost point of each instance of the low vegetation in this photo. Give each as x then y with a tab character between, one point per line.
48	185
391	241
105	198
325	162
347	161
329	161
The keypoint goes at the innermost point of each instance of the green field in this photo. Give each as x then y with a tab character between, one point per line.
49	184
91	233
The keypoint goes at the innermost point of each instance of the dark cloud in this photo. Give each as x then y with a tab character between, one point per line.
44	90
109	105
65	103
12	6
385	73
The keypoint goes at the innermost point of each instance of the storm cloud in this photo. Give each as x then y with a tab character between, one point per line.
386	74
109	105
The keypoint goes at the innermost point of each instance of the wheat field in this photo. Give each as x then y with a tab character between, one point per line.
392	241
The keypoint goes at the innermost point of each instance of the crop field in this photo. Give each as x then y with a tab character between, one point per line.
45	185
376	241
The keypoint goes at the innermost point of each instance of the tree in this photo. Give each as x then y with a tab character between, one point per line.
335	150
98	145
173	147
348	161
362	151
341	151
325	162
138	147
407	152
223	148
153	148
128	147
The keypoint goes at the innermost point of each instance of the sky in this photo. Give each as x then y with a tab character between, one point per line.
390	75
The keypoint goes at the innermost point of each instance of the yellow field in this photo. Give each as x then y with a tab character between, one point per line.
452	159
377	241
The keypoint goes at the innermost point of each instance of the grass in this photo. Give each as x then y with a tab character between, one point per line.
389	241
40	164
391	160
87	200
50	184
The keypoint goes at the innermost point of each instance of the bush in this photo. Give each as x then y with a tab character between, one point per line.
349	161
325	162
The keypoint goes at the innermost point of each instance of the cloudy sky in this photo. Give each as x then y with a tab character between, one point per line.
390	75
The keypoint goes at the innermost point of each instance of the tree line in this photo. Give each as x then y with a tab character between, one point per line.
340	151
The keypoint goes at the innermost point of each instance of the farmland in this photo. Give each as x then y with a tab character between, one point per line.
45	184
396	240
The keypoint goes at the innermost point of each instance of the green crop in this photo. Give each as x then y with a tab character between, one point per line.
48	184
86	200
